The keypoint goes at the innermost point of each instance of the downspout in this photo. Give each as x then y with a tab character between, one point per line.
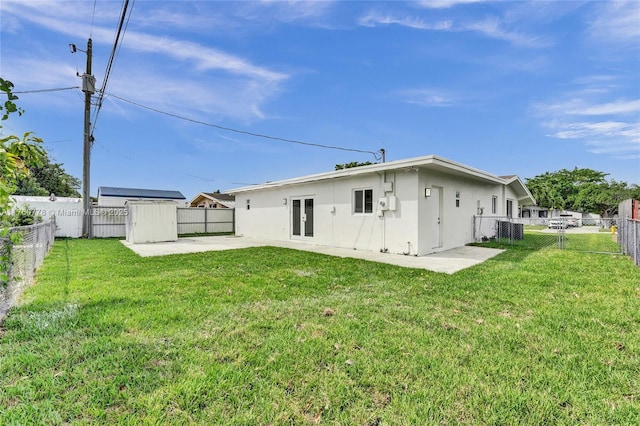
383	249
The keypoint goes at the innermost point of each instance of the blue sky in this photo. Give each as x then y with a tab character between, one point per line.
507	87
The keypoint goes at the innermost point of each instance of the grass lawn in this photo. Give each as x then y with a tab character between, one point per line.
277	336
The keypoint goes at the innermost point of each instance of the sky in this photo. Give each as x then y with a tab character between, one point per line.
509	87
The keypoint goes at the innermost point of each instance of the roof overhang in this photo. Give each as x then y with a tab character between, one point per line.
524	196
430	162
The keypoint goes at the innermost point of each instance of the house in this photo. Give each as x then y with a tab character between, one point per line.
213	200
415	206
117	197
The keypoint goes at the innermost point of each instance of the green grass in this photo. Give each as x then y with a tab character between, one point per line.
277	336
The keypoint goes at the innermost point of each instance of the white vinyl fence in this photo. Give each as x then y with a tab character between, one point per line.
110	222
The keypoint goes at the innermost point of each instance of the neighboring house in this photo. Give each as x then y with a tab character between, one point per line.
415	206
539	215
115	197
213	200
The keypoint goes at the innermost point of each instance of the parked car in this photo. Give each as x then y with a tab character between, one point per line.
563	222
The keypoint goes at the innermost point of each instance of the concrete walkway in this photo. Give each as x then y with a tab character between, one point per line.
449	261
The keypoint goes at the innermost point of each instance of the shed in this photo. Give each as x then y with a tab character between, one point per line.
151	221
415	206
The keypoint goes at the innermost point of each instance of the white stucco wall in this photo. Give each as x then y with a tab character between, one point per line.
335	224
412	228
456	221
68	212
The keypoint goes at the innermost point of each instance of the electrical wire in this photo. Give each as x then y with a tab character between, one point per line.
93	18
376	155
164	169
46	90
114	51
244	132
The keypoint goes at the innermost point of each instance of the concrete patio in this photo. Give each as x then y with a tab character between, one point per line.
449	261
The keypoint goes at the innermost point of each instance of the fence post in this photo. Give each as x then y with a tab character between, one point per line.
206	220
635	241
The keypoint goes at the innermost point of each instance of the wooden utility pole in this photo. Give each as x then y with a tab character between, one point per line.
89	88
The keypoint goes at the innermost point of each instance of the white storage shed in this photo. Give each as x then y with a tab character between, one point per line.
151	221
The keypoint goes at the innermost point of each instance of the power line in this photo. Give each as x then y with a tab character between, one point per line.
93	17
47	90
114	51
164	169
244	132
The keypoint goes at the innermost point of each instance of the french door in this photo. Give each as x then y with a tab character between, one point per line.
302	217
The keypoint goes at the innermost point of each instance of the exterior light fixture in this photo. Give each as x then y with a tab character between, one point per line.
427	192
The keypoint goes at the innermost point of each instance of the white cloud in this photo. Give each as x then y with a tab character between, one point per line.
428	97
583	107
210	81
283	11
616	131
490	27
374	19
445	4
617	21
494	28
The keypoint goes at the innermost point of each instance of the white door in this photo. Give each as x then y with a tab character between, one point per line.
435	213
302	217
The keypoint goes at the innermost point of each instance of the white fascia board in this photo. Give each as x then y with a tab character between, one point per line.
426	162
522	189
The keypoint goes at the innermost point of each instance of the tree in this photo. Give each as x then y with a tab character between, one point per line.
583	190
352	165
48	178
602	198
558	190
15	152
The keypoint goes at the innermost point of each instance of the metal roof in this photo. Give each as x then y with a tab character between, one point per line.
109	191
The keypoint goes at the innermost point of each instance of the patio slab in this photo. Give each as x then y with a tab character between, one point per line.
449	261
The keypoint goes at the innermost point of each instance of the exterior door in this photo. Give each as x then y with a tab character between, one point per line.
435	202
302	217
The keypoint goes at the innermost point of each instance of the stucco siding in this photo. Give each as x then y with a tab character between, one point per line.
429	206
335	222
459	200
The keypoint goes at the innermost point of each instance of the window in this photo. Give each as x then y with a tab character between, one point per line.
494	204
363	201
509	208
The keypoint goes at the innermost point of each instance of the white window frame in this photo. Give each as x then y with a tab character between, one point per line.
361	193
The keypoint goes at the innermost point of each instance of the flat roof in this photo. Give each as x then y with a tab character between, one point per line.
429	162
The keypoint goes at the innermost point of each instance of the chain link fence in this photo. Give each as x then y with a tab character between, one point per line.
565	233
22	250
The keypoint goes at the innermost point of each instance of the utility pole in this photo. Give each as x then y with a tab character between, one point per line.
89	88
